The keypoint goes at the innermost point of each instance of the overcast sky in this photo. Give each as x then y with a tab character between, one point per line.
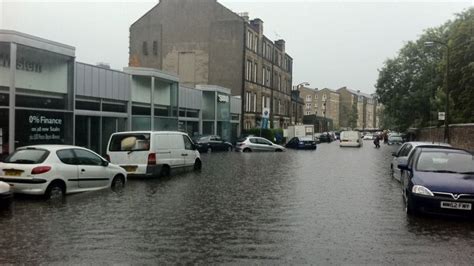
333	43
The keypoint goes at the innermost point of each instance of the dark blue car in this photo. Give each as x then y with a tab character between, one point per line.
302	143
439	181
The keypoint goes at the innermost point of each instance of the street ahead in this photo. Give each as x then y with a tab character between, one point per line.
331	205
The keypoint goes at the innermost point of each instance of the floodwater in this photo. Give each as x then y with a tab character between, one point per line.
330	206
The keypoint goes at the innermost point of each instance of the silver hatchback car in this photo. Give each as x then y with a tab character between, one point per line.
257	144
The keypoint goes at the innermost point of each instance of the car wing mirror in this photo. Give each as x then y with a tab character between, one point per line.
394	154
105	163
404	167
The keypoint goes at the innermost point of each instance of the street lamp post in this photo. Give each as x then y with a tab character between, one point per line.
302	84
446	119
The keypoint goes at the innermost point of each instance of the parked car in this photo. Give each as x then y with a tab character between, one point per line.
5	195
303	143
438	180
368	137
212	143
395	139
153	153
56	170
323	137
405	151
257	144
350	139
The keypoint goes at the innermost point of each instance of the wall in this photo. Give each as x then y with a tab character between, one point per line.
201	41
94	81
461	136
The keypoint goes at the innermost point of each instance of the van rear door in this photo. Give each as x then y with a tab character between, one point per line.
130	151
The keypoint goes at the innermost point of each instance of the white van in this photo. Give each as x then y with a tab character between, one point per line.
350	139
152	153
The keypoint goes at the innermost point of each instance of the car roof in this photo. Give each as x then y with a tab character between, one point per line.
150	132
52	147
442	148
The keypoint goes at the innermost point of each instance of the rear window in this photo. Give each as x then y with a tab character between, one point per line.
28	156
130	142
350	135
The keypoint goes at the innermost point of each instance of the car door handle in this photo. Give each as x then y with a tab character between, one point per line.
184	154
83	170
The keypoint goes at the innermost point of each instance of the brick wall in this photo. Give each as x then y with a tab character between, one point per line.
461	136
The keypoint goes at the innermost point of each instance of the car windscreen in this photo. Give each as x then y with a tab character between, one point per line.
307	138
130	142
28	156
445	161
395	138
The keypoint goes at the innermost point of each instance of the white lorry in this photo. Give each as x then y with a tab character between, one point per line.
298	131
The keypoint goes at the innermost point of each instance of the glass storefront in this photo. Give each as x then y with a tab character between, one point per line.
41	127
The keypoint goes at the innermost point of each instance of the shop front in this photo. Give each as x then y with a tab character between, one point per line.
36	91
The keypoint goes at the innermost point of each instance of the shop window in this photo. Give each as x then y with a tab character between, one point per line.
161	112
138	110
4	99
155	48
119	108
40	102
194	114
86	105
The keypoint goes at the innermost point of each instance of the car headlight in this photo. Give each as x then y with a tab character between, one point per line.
421	190
301	143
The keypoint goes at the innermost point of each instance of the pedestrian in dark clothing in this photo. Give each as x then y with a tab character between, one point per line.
377	142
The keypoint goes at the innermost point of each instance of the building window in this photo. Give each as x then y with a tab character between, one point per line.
255	44
249	39
255	72
155	48
248	74
308	113
145	48
254	102
247	101
308	106
309	98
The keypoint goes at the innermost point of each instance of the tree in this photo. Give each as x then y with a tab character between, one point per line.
461	67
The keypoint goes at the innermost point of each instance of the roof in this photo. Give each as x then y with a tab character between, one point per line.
149	131
359	93
52	147
421	143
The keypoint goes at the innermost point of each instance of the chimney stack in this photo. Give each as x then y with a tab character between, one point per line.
281	45
257	24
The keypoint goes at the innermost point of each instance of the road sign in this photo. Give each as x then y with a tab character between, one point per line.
266	113
441	116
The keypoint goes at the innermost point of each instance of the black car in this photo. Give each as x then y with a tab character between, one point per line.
303	143
212	143
324	137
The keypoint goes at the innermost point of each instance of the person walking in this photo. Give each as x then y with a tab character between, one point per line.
377	142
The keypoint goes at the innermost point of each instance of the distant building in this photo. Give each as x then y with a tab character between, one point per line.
203	42
297	105
358	110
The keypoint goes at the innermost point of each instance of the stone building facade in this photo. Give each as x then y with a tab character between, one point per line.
203	42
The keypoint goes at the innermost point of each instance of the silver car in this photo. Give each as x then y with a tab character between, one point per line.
257	144
402	154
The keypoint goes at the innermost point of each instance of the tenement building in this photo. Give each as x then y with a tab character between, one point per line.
203	42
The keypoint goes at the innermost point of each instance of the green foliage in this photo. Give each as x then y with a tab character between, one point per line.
412	87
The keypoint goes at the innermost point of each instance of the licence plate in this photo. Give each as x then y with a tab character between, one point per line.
13	172
130	169
456	205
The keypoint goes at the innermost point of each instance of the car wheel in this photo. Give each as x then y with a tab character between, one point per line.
118	183
165	171
197	165
247	150
55	191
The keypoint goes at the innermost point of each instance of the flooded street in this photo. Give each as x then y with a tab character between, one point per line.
332	205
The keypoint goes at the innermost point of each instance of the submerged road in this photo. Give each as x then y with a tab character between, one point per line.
331	205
